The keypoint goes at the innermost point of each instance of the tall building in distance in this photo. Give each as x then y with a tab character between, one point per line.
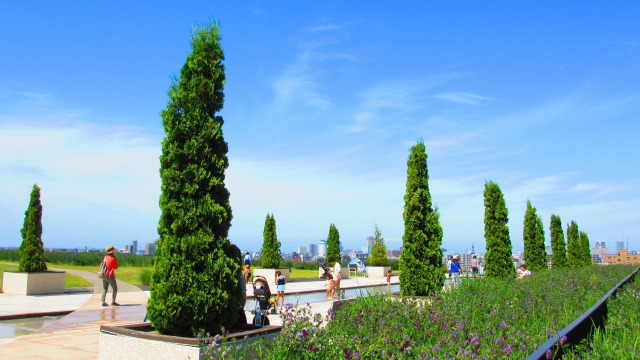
322	248
313	250
369	244
149	249
620	245
135	247
302	250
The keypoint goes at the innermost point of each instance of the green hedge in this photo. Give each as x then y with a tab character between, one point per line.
81	258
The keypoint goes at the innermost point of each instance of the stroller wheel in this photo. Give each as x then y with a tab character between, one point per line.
253	312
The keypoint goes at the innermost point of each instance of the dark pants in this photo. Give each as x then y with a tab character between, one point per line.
105	286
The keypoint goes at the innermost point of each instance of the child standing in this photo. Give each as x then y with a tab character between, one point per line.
280	287
389	279
330	285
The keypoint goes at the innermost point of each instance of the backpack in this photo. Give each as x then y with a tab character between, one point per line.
103	273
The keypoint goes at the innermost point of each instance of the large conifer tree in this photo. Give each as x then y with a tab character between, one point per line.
558	244
574	248
333	243
195	284
31	250
271	255
535	254
378	255
499	258
422	271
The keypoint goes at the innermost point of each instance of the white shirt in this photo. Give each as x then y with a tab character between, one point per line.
336	271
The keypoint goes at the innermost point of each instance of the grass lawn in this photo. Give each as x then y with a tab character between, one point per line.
130	274
69	281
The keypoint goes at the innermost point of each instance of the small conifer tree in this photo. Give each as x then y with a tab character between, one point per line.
535	253
31	250
271	255
574	248
422	271
558	244
499	258
333	243
586	249
378	255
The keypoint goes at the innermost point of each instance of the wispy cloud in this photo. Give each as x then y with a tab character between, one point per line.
461	97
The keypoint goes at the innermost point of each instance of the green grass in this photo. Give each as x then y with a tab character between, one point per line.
130	274
70	281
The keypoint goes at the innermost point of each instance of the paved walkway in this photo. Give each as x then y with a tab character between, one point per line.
76	336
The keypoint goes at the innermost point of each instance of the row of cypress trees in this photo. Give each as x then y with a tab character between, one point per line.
422	270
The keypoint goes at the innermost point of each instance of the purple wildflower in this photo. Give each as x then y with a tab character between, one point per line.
507	350
549	354
503	325
356	355
563	339
499	341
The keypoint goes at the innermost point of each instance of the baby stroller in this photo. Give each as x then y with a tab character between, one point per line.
325	269
263	299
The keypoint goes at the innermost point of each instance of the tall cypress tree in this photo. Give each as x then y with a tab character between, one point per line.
499	258
31	250
378	255
558	244
535	254
333	243
574	249
195	281
271	255
422	271
586	249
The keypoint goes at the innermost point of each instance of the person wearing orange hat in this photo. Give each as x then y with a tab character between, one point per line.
110	279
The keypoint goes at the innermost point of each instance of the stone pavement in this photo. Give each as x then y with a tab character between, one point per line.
76	335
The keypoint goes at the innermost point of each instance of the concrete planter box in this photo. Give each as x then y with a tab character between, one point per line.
270	275
378	271
33	283
139	341
343	270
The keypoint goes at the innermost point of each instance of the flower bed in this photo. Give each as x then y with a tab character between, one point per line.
621	336
479	319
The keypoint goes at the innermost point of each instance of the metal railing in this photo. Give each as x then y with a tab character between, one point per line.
580	329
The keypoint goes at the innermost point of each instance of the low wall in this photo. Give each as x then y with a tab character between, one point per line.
270	275
378	271
138	341
33	283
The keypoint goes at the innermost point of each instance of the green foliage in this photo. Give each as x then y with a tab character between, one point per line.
378	255
145	277
585	253
195	283
558	244
421	269
271	256
31	250
498	259
535	253
333	243
574	248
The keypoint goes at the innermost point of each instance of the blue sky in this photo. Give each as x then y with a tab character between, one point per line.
322	104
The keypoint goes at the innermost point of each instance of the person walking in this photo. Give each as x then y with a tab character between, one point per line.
247	258
389	280
336	273
455	270
110	279
281	280
475	266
